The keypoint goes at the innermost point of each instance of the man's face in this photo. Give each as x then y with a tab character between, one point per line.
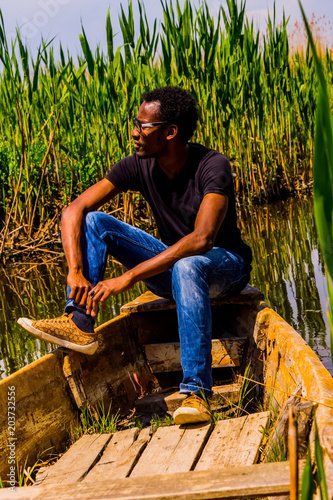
149	142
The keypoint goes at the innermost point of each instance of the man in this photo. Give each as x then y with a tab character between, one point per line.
200	255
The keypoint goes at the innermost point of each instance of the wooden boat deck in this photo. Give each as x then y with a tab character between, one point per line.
171	449
199	461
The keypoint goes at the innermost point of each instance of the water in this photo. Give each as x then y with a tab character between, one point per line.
287	267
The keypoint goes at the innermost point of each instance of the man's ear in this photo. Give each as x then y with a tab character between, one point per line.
172	131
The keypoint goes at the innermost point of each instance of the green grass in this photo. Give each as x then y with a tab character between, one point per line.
97	420
25	474
158	421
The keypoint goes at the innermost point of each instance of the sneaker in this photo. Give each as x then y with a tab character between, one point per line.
61	331
194	409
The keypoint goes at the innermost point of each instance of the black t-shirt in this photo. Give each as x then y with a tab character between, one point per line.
175	203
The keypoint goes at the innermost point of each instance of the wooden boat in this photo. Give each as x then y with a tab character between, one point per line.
138	355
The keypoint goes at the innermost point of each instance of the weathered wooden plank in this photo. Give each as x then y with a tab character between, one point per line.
76	462
228	351
234	442
112	372
151	302
120	455
235	482
43	410
158	453
223	395
189	448
172	449
166	357
279	435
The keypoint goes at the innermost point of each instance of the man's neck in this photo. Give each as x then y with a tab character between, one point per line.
173	162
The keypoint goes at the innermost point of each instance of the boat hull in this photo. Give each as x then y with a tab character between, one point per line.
50	392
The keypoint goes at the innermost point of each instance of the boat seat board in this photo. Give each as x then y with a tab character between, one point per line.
76	462
120	455
234	442
173	449
165	357
235	482
223	395
151	302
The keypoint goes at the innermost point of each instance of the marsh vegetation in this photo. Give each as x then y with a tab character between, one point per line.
65	122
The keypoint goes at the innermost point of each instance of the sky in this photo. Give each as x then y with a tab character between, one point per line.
61	19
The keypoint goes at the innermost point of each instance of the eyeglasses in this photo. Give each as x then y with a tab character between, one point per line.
140	126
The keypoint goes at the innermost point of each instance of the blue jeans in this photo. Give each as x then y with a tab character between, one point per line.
191	281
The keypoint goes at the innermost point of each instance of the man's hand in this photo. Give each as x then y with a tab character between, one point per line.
80	288
104	289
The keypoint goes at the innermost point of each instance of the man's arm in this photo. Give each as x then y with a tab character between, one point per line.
210	216
71	235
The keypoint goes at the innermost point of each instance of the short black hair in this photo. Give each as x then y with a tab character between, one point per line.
177	106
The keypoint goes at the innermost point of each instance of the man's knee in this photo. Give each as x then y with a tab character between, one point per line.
189	280
90	218
97	219
188	268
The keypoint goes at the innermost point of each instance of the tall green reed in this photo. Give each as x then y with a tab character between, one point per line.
323	170
65	123
323	207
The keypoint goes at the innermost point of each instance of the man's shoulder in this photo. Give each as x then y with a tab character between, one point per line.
124	169
129	160
207	155
203	150
133	161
